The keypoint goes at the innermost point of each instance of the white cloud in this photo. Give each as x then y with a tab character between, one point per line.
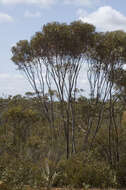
12	84
86	3
8	76
5	18
81	13
37	2
29	14
106	19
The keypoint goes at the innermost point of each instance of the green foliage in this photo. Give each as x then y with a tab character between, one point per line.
121	172
39	161
82	172
20	173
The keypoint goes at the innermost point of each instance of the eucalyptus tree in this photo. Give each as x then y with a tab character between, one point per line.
107	55
51	60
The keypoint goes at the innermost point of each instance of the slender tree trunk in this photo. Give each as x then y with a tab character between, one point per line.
68	134
73	128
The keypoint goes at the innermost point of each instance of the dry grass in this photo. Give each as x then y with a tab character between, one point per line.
28	188
3	187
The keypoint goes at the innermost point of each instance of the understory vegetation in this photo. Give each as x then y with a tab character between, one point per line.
56	136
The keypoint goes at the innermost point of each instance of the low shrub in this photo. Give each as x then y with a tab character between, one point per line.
77	173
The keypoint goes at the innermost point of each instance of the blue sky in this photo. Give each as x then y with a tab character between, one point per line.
20	19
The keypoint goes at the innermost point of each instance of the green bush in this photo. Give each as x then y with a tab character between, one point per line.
121	173
77	173
20	173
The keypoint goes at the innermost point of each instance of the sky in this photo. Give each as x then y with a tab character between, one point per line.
20	19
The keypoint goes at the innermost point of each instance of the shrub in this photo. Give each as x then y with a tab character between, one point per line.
3	186
77	173
121	173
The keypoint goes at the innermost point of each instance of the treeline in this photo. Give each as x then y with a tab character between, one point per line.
56	136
